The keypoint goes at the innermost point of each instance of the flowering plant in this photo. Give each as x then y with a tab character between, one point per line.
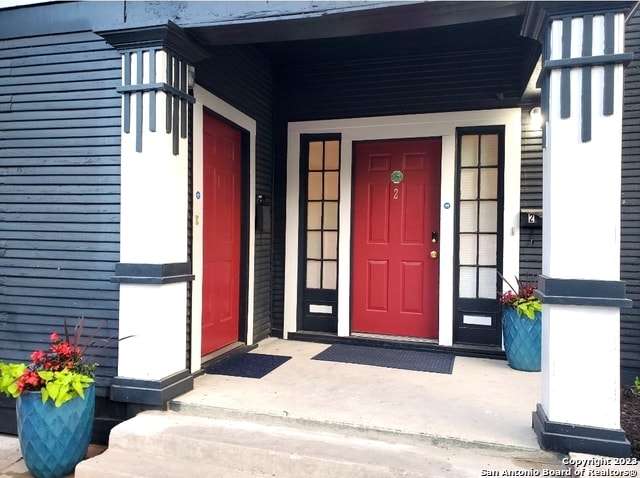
60	373
522	300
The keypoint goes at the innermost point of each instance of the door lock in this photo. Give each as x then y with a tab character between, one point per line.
433	254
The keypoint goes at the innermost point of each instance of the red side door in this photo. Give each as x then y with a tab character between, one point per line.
396	238
221	223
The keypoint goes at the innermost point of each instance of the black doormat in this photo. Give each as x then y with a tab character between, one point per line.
248	365
421	361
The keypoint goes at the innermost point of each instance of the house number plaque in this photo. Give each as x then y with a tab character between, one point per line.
396	178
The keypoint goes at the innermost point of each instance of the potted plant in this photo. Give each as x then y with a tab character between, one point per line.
522	326
55	405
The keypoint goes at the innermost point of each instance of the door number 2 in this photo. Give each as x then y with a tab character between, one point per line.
396	192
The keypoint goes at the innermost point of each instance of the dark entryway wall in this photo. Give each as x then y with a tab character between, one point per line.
530	194
424	71
630	204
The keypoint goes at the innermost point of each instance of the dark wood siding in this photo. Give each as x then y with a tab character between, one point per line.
530	195
242	77
630	236
60	194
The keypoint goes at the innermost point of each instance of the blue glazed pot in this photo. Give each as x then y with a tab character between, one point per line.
54	440
522	340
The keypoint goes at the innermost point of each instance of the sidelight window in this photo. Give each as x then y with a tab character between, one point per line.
478	245
323	181
478	224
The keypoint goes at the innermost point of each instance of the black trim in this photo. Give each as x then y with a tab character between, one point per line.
307	320
565	79
151	392
594	293
598	60
152	273
169	36
538	14
565	438
471	334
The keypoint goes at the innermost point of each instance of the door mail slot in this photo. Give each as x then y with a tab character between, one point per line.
531	218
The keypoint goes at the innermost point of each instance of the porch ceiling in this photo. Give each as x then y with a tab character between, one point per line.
483	31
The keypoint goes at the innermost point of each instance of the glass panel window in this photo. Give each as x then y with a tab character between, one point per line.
315	186
478	217
488	220
468	249
323	195
487	283
330	217
469	184
313	274
330	275
489	183
332	155
468	216
469	151
487	250
314	215
314	245
331	185
468	277
489	150
330	245
315	156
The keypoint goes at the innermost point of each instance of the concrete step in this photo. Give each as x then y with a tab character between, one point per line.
171	444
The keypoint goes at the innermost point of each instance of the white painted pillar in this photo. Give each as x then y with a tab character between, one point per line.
154	270
580	287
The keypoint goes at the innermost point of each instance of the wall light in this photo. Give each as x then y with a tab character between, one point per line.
536	117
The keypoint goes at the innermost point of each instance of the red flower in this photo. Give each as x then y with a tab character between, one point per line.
54	337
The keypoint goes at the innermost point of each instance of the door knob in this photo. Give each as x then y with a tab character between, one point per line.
434	254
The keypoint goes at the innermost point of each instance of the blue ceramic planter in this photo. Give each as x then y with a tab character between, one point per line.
54	440
522	340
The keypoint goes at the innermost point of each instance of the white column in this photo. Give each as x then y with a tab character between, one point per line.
579	286
154	270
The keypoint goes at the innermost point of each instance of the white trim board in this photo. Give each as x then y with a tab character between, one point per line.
215	104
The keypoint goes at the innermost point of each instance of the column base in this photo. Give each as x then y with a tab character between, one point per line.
565	438
151	392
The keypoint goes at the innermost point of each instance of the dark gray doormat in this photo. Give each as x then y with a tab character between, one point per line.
421	361
248	365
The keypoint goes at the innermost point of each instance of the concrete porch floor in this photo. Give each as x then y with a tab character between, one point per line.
478	417
482	403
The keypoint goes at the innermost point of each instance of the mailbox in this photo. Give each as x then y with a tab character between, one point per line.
531	218
263	214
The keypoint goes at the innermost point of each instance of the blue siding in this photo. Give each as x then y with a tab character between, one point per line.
630	236
59	192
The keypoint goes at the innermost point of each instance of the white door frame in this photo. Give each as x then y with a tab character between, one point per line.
441	125
212	102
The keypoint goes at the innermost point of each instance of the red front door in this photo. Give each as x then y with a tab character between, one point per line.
221	244
396	238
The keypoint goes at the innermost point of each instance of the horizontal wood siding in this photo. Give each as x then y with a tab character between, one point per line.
630	236
60	192
530	195
242	77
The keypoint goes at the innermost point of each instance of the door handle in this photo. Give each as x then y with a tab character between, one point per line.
433	254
